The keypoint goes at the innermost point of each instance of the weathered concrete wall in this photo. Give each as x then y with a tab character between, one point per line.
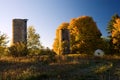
19	28
64	41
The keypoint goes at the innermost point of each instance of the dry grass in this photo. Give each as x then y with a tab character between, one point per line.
68	67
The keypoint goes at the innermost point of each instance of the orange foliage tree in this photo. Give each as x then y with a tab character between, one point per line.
85	37
109	30
116	35
84	34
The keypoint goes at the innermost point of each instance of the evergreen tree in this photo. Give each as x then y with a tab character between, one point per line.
109	30
116	35
110	24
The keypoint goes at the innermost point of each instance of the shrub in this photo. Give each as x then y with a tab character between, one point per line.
33	51
18	49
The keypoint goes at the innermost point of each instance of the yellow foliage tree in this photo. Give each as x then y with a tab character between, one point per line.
116	34
56	47
85	37
84	34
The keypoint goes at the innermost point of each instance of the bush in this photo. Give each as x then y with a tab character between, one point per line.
48	52
33	51
18	49
3	51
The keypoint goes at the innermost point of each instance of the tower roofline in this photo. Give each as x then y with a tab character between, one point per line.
20	19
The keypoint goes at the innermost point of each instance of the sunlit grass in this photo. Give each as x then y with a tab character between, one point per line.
80	66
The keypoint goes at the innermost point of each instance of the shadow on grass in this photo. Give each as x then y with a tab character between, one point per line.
39	70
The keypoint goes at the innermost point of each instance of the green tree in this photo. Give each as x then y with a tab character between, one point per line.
84	34
3	39
33	40
3	42
18	49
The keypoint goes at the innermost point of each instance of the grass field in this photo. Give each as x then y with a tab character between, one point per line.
68	67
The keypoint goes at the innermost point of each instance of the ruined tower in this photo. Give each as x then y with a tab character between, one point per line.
19	28
64	40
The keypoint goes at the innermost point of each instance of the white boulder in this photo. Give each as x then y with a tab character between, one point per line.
99	53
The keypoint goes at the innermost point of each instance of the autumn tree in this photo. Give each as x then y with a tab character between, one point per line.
85	37
109	29
116	35
56	43
84	34
33	40
110	24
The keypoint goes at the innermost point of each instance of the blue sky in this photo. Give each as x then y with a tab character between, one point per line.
47	15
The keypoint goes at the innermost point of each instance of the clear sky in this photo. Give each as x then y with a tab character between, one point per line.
47	15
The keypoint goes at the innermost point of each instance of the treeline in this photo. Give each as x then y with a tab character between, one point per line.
32	48
85	37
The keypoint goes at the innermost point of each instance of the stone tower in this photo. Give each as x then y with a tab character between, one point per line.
19	28
64	41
